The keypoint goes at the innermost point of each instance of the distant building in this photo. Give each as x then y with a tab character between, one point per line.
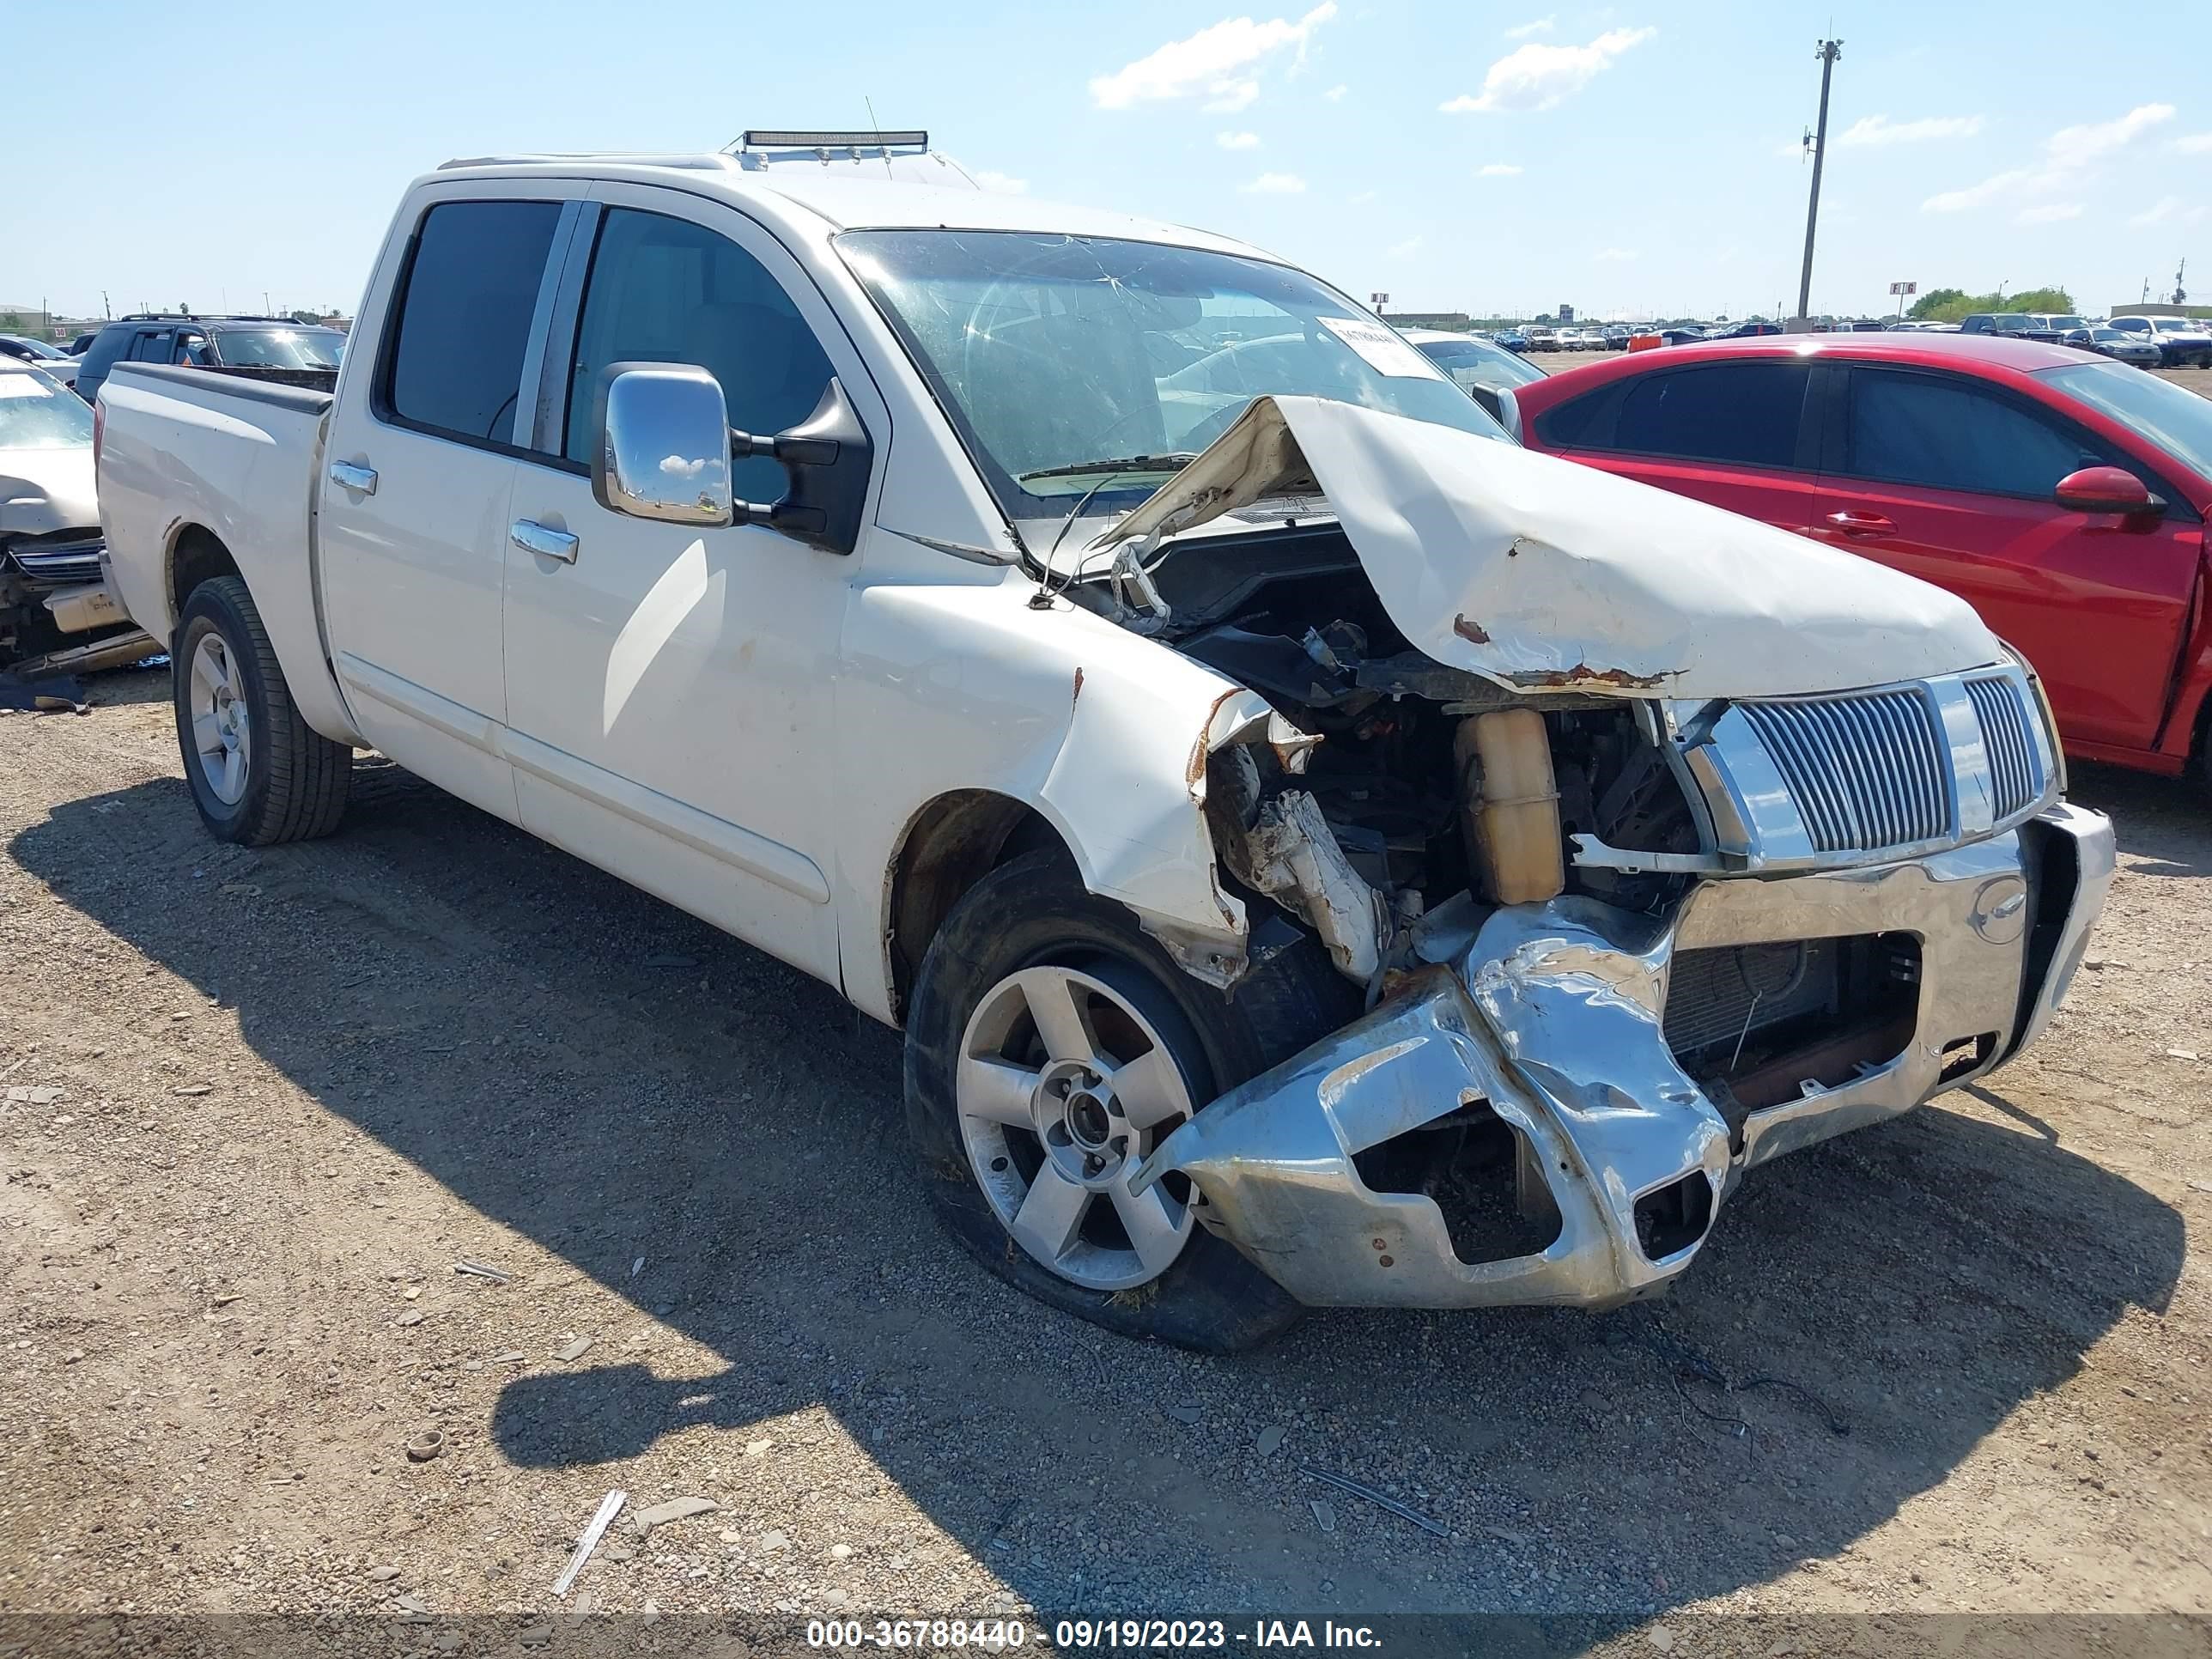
1566	314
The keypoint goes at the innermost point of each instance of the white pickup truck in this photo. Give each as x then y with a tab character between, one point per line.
1318	851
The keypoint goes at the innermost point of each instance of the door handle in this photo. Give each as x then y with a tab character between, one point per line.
1861	524
346	476
534	538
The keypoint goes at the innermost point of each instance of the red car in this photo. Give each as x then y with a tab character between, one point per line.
2063	494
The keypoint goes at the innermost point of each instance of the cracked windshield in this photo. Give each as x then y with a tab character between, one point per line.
1083	371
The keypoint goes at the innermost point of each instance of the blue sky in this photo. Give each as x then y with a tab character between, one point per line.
1627	159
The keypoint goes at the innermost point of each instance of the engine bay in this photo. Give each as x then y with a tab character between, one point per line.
1289	611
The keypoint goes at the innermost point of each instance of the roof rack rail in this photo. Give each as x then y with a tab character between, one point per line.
714	161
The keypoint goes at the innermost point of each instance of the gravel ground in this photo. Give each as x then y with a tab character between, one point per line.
254	1106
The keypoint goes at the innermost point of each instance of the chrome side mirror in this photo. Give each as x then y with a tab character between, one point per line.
661	444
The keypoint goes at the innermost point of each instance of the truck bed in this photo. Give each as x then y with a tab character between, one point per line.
191	453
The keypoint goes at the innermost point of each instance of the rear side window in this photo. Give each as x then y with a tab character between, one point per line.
1940	432
1736	414
665	290
152	345
106	347
454	363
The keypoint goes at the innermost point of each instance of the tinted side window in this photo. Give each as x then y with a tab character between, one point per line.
1944	433
454	363
1744	414
667	291
1582	422
107	346
151	346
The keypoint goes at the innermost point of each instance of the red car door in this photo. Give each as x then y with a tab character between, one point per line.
1950	479
1732	434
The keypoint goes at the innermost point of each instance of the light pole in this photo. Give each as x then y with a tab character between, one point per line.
1829	51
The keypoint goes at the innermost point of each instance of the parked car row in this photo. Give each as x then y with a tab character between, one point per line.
272	348
2142	342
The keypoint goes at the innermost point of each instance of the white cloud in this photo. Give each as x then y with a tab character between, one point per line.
1498	170
1275	184
2068	153
1535	25
1365	196
1335	94
1881	130
1221	61
2052	213
676	466
1237	140
1537	77
1406	249
1002	184
2166	210
2074	146
1997	184
1795	150
1616	255
2194	143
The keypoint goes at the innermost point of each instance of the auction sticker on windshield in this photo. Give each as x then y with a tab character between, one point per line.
1384	349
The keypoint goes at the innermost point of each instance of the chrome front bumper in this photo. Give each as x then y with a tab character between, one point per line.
1553	1020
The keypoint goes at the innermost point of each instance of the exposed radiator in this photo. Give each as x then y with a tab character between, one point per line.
1715	996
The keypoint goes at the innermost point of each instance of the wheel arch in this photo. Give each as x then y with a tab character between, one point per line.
946	848
194	555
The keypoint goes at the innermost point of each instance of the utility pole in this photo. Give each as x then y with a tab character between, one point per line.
1828	52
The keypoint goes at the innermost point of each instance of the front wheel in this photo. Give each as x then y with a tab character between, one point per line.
258	773
1051	1047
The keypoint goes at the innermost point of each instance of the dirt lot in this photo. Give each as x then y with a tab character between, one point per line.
254	1106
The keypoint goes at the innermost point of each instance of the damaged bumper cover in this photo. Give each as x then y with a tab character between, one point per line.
1554	1022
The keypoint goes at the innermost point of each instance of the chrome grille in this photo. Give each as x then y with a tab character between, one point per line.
70	556
1868	770
2015	769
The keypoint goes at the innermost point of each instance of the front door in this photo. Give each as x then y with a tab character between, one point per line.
413	510
1951	480
668	687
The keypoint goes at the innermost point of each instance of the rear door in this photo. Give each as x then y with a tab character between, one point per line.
419	465
1734	435
1950	478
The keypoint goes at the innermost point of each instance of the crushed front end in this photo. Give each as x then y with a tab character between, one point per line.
1871	897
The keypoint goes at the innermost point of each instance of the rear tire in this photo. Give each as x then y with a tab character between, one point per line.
258	773
1030	923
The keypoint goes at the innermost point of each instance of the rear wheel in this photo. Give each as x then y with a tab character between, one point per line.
258	773
1050	1048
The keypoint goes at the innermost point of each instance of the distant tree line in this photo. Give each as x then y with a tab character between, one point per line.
1951	305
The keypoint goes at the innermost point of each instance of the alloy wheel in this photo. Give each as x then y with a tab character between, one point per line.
1064	1087
223	736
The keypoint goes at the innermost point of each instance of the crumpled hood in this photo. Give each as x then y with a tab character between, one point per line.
43	490
1544	574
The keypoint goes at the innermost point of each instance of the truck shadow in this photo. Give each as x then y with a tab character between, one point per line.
612	1079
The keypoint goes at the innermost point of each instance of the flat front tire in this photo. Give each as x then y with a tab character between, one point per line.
1051	1046
258	773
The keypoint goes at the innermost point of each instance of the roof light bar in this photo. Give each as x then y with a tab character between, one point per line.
782	138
